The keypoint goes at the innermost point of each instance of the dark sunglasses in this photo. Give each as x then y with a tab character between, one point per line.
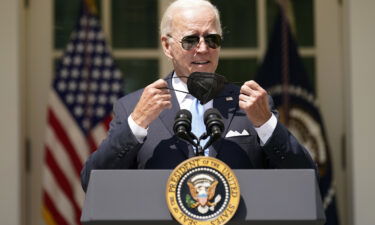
191	41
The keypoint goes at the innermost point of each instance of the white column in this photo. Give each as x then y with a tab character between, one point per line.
39	75
10	113
329	80
360	91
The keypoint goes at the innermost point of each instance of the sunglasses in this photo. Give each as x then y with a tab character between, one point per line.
191	41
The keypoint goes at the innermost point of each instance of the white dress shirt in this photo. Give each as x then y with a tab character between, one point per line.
185	100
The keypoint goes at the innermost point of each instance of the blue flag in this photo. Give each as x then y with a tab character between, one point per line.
283	75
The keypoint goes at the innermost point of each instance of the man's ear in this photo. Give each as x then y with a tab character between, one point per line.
166	46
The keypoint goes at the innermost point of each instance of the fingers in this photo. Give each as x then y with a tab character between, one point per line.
162	101
159	87
253	99
252	88
154	99
254	85
158	93
159	84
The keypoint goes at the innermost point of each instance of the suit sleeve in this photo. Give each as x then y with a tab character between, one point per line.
118	151
283	151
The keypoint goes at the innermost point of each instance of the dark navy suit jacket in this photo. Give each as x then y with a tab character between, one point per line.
163	150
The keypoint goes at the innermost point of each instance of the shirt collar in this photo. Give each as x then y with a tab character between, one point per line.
179	85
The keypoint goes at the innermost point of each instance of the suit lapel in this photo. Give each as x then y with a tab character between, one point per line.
167	117
227	104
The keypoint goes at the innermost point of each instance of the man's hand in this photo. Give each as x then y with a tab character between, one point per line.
155	98
253	100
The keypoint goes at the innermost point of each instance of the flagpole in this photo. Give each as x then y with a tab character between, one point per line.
284	62
90	9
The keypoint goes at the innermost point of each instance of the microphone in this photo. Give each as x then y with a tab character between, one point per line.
182	126
214	125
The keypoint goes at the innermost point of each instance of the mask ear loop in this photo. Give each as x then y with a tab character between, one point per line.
227	82
175	89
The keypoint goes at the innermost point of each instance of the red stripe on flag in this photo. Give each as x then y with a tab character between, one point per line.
61	134
62	181
91	142
52	208
106	121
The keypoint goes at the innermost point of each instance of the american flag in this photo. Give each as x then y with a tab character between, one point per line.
85	86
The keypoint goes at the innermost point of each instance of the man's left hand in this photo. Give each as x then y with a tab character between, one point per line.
253	100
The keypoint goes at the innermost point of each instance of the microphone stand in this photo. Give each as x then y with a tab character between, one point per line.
199	151
182	129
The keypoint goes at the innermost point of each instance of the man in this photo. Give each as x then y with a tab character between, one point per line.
141	134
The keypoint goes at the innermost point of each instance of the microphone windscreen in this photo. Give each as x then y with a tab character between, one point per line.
212	112
182	121
183	113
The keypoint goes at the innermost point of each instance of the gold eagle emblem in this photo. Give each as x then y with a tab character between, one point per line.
202	189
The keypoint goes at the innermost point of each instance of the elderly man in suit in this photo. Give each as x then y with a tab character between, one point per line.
141	134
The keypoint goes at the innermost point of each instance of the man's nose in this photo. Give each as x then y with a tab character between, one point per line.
202	45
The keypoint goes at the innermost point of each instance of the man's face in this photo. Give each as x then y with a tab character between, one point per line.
201	58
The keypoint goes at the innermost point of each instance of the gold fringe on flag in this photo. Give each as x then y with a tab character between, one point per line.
91	6
48	218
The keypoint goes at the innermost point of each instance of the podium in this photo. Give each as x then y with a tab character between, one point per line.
268	197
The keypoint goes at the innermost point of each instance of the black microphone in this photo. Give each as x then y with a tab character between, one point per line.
182	126
214	125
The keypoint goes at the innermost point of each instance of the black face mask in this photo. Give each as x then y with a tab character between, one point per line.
205	86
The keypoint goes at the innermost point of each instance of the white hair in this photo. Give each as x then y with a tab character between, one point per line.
166	21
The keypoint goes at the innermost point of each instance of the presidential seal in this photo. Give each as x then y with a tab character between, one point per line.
202	190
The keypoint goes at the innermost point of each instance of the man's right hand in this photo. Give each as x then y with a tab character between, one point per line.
155	98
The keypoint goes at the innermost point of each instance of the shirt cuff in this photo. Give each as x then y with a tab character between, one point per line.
266	130
139	132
